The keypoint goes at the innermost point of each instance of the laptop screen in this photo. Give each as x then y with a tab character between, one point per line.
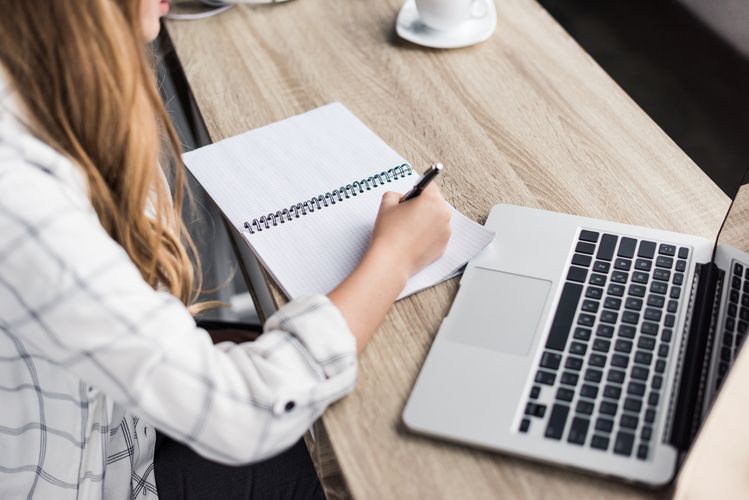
735	230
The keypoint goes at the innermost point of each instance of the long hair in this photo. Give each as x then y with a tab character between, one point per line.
83	74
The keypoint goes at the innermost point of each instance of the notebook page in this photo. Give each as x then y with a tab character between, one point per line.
276	166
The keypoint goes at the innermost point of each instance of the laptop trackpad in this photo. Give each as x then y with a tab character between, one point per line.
500	311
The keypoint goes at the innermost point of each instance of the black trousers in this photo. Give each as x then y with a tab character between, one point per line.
183	474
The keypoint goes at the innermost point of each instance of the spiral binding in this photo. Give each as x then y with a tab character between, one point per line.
321	201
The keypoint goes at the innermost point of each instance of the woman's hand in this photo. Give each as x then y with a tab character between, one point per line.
416	232
407	236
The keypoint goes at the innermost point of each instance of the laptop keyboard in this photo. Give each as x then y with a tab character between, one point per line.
600	378
736	321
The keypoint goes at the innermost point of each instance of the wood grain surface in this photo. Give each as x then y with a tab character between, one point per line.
526	118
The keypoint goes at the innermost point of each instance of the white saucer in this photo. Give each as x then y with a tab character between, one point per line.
409	27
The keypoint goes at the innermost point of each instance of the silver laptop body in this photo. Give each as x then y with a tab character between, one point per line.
541	357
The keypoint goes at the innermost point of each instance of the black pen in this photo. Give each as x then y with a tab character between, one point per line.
422	183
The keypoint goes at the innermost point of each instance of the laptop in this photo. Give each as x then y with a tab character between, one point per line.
588	343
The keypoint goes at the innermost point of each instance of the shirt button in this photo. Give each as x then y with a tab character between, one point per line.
289	406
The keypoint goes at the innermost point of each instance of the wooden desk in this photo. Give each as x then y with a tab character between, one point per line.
525	118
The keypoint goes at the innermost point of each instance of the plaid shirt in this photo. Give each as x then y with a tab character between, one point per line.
91	357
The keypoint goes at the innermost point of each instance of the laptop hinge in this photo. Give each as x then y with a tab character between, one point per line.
695	363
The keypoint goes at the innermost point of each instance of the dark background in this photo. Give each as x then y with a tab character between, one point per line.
686	76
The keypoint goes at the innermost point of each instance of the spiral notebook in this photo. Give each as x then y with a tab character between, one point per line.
304	193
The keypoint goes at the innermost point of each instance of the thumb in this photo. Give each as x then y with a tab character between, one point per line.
390	199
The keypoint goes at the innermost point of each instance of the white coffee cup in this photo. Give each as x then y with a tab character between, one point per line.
449	14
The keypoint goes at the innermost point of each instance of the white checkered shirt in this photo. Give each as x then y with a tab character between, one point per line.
92	358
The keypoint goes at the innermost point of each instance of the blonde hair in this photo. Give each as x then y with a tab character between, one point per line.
84	76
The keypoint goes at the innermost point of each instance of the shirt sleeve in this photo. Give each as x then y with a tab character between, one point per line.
72	295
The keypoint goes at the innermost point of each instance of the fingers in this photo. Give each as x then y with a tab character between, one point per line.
390	199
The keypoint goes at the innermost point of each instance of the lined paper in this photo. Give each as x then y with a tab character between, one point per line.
288	162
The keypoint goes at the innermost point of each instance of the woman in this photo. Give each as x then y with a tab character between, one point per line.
97	342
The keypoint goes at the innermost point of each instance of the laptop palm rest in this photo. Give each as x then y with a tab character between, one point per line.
501	311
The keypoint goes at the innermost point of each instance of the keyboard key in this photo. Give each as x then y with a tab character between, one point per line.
589	391
681	266
678	278
663	350
586	248
660	366
597	360
657	382
623	345
636	388
597	279
640	277
550	360
578	348
633	404
646	433
650	415
581	260
645	343
604	424
651	314
569	378
666	334
642	357
535	410
612	303
573	363
649	328
605	331
675	292
647	249
683	253
593	375
535	392
619	360
619	277
564	394
665	262
630	317
616	376
640	373
545	378
643	264
525	424
633	304
590	306
623	443
607	408
586	235
612	391
622	264
577	274
563	317
599	442
658	287
673	306
616	290
600	266
606	247
665	249
736	283
594	292
627	247
642	451
609	316
628	421
662	274
578	430
656	300
637	290
584	407
653	398
558	418
627	331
